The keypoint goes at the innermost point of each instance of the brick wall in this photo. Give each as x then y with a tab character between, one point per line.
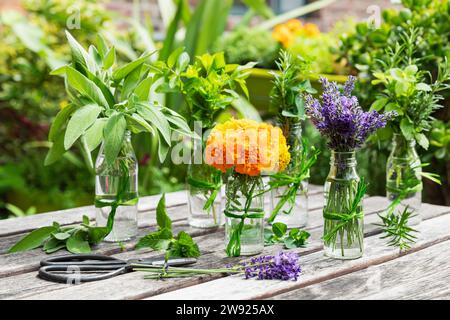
325	18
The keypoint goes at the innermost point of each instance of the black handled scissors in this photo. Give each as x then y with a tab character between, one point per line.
93	267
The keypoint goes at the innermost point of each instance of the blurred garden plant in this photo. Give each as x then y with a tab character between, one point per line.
32	46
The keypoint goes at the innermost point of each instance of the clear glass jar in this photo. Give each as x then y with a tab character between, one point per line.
343	239
244	215
403	177
204	182
116	192
293	214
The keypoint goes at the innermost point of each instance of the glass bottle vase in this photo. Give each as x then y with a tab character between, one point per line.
116	192
343	234
244	215
204	196
403	178
292	213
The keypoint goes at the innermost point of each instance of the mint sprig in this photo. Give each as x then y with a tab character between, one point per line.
180	246
295	238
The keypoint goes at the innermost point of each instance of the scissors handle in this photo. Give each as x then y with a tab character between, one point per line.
75	268
77	273
81	259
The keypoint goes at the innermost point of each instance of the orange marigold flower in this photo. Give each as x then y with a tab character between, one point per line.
247	146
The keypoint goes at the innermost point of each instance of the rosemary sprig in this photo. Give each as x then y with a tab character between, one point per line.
344	219
396	229
395	226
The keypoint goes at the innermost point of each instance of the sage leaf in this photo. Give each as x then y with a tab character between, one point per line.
142	90
123	71
77	243
56	151
407	128
85	86
61	236
33	240
110	58
113	135
80	121
60	120
94	135
154	116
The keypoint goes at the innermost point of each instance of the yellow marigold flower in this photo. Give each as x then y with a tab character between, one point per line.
311	30
282	34
247	146
294	25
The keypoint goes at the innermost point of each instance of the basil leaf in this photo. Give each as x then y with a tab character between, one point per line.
77	243
97	234
142	90
159	240
33	240
162	218
80	121
113	135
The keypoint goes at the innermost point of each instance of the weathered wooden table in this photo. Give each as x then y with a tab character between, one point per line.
382	273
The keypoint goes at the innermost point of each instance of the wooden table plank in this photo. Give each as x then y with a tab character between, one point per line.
20	268
71	216
316	268
133	287
421	275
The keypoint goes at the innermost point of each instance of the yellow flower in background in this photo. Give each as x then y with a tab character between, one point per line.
287	32
311	30
247	146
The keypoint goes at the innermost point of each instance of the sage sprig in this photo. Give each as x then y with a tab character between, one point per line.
106	100
180	246
76	239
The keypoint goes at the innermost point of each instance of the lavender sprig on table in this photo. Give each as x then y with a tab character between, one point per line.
340	118
282	266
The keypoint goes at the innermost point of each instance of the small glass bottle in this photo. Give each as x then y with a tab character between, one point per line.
345	241
203	182
403	177
116	186
294	215
244	198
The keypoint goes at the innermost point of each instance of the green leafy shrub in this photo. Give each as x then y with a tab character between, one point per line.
244	45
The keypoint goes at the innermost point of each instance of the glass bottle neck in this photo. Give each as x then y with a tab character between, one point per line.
403	148
343	159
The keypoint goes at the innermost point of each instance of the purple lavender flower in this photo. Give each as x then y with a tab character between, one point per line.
341	119
282	266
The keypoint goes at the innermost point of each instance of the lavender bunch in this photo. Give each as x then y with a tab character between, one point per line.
282	266
340	118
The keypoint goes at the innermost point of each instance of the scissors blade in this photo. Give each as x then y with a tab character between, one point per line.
160	261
